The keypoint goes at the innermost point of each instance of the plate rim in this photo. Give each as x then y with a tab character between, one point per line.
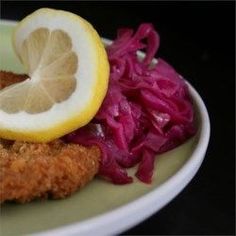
106	223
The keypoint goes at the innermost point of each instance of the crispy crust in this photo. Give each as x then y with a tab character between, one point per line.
36	170
9	78
54	170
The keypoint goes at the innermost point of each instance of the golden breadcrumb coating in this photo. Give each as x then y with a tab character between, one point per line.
8	78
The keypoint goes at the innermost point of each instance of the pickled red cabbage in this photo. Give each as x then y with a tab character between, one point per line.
147	109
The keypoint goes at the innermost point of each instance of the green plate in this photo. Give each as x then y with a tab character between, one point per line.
97	198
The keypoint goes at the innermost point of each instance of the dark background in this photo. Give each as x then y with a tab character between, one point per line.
198	39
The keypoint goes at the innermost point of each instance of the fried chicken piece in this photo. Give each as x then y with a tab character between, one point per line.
34	170
8	78
39	170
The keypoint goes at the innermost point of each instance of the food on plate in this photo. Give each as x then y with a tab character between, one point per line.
9	78
67	69
67	122
41	170
147	109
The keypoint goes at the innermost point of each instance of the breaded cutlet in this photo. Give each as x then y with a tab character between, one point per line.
8	78
41	170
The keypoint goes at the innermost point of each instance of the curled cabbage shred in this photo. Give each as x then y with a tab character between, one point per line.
147	109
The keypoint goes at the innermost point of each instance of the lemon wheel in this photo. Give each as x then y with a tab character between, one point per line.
68	77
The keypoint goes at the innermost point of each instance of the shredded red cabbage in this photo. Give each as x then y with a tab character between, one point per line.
147	109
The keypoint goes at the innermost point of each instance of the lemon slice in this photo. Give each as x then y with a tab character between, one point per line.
68	77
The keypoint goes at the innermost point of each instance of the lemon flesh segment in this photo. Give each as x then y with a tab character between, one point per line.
33	48
68	77
52	66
